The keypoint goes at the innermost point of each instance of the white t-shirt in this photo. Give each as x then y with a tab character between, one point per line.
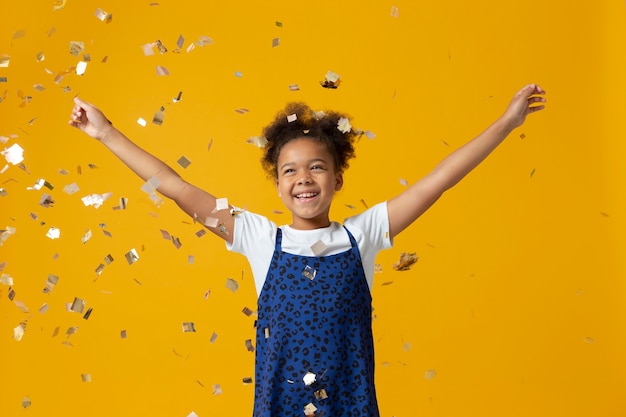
255	237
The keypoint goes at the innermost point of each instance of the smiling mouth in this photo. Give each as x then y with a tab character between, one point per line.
306	195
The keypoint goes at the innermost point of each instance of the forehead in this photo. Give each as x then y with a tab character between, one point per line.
303	148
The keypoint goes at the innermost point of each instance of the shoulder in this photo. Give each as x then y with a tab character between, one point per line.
251	230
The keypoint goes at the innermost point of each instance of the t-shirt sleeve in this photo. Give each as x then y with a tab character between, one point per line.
374	223
254	237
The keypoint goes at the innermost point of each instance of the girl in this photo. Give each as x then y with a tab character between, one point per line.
315	351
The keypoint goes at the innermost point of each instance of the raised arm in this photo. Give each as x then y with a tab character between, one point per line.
412	203
194	201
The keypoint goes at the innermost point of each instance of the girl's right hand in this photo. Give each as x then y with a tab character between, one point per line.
89	119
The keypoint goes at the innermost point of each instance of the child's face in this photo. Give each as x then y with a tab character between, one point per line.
307	181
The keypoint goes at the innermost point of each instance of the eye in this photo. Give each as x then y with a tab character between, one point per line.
288	171
316	167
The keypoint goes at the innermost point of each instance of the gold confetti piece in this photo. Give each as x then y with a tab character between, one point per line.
190	259
162	71
203	41
26	402
103	16
165	235
309	410
71	188
6	279
78	305
148	49
51	282
55	333
81	68
258	141
247	380
331	80
53	233
318	248
58	4
39	184
71	331
235	212
249	345
308	378
522	136
430	374
183	162
19	34
95	200
88	313
189	327
232	285
43	309
201	232
217	390
404	182
309	272
178	97
85	377
407	346
151	185
131	256
395	12
14	154
294	87
158	118
86	236
405	262
11	294
321	394
160	47
378	268
76	47
141	122
39	87
275	42
344	125
5	60
242	110
21	306
292	118
532	172
46	201
221	204
210	144
18	331
176	241
364	203
213	337
589	340
123	334
266	332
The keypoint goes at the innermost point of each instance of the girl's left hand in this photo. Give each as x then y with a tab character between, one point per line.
523	104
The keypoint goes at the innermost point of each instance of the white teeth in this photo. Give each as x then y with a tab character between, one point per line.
306	195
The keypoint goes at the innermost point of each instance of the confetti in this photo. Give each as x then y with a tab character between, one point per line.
249	345
76	47
103	16
247	380
395	12
242	110
141	122
318	248
589	340
404	182
86	236
43	308
53	233
162	71
150	186
522	136
123	334
71	188
46	201
405	262
58	4
81	67
309	272
294	87
331	80
51	282
88	313
217	390
14	154
85	377
95	200
248	312
532	173
189	327
275	42
131	256
213	337
221	204
6	233
232	285
309	410
344	125
292	118
5	60
430	374
321	394
309	378
6	279
158	118
78	305
18	331
258	141
183	162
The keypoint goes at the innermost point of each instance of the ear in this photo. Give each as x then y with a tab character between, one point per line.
338	181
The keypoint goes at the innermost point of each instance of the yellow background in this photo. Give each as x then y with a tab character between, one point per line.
517	301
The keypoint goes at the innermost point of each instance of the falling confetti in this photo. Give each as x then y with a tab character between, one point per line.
189	327
232	285
405	262
331	80
344	125
430	374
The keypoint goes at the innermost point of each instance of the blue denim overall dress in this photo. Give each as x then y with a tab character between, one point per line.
315	353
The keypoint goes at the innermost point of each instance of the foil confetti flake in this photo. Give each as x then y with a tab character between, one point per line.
81	67
344	125
308	378
292	118
321	394
103	16
18	331
247	380
71	188
150	186
95	200
6	233
318	248
162	71
309	272
309	410
406	260
5	60
51	282
395	12
142	122
131	256
217	389
14	154
78	305
189	327
258	141
331	80
275	42
249	345
221	204
58	4
86	236
183	162
77	47
430	374
53	233
232	285
26	402
213	337
85	377
6	279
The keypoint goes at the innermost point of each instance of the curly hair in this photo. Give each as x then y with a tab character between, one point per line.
321	126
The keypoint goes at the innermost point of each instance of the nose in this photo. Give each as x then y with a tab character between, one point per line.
305	178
